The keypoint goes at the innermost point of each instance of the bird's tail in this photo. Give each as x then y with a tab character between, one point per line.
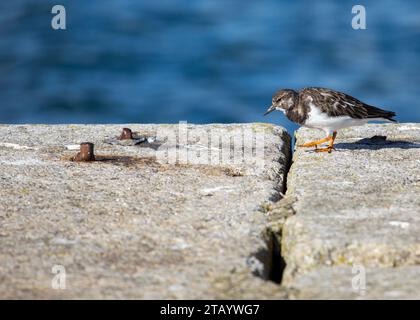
376	113
392	120
389	115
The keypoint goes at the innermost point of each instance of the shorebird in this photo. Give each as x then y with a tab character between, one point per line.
327	110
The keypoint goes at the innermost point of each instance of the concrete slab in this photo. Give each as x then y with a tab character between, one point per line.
131	225
357	205
189	212
344	282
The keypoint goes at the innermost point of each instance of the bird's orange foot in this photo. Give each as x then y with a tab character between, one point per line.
315	143
327	149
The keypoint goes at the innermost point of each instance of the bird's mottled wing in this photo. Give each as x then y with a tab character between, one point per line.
337	104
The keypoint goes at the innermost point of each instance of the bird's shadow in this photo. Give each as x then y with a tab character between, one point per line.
376	143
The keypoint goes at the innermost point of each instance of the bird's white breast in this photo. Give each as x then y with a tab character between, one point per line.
320	120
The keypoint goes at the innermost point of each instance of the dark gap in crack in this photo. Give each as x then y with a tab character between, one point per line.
278	263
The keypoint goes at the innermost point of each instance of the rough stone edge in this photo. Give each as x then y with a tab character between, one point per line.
287	209
237	286
277	209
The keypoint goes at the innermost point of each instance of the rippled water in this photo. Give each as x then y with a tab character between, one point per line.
201	61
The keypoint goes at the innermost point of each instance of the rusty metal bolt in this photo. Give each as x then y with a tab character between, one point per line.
126	134
86	152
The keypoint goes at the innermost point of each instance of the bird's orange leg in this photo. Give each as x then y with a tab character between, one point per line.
315	143
330	145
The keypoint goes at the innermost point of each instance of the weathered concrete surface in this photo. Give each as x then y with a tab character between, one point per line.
129	226
133	226
359	205
337	283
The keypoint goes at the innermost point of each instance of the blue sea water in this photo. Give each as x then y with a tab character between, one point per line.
203	61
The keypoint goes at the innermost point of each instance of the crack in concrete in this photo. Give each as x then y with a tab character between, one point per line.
278	212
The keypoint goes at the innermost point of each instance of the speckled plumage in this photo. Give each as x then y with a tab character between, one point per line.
330	102
325	109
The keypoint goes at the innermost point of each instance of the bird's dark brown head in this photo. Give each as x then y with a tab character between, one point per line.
283	100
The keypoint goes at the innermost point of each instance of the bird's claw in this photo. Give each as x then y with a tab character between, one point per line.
327	149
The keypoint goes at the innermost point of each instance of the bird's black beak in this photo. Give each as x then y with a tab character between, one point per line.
270	109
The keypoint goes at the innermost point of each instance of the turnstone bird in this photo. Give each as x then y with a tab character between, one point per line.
327	110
